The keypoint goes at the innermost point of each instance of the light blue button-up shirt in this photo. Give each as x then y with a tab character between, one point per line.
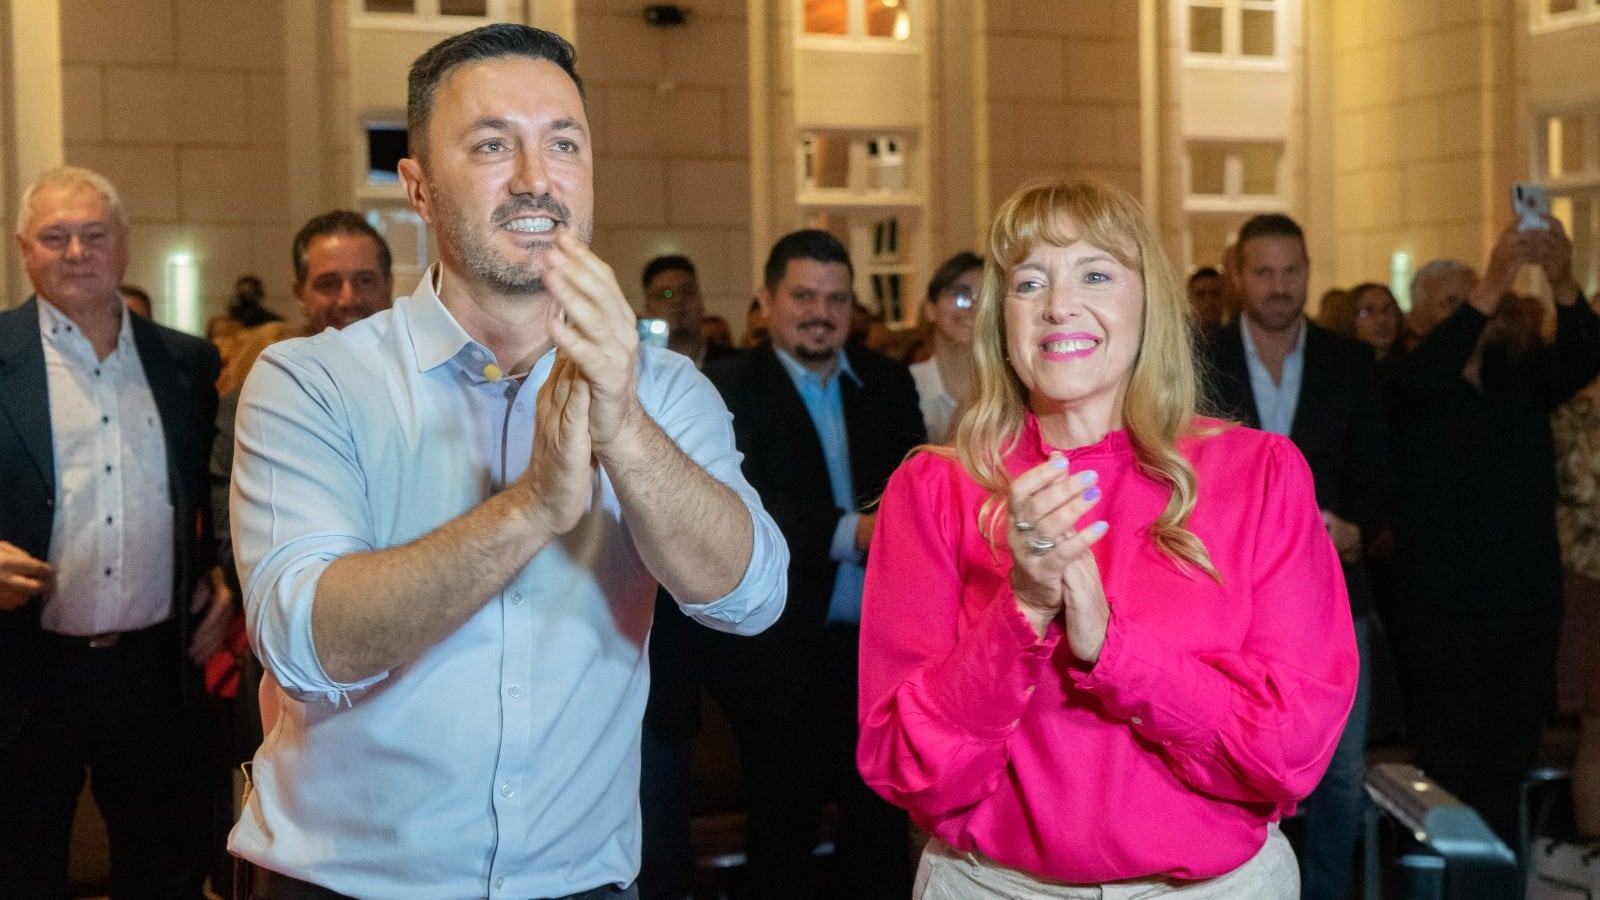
825	403
504	761
1275	400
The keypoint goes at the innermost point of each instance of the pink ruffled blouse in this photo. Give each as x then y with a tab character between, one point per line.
1213	707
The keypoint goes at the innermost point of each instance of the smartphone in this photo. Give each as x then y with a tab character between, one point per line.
1530	204
653	332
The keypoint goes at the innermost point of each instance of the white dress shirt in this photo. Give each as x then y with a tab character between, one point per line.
504	761
111	539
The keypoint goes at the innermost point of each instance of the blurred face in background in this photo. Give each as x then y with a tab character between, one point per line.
1377	318
952	312
674	295
808	312
344	281
1274	274
1440	297
1205	298
74	250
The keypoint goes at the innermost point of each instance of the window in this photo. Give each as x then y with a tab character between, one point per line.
1233	29
428	10
1551	14
886	19
1571	144
854	161
1234	168
386	146
1579	212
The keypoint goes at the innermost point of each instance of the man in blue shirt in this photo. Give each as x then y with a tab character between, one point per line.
1276	370
450	519
821	428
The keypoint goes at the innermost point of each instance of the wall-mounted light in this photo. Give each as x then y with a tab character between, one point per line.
1400	273
183	294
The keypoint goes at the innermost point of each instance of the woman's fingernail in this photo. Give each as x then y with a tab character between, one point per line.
1088	476
1099	528
1092	494
1057	461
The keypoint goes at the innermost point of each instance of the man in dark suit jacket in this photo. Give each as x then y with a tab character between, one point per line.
1278	371
105	426
821	429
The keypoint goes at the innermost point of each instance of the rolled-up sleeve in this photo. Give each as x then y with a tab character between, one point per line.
691	412
298	505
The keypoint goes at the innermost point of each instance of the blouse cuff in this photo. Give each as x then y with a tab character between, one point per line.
1154	691
987	682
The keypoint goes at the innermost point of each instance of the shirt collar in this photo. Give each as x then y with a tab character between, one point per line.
56	325
799	372
436	337
1250	341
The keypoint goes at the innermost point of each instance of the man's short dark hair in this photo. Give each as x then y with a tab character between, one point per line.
1204	272
953	268
809	243
489	42
133	290
339	221
673	263
1268	225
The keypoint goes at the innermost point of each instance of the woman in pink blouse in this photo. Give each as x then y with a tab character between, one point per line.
1103	639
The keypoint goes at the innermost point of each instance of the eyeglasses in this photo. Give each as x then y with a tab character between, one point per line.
58	238
962	300
668	295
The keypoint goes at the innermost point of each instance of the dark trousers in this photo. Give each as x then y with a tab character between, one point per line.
1477	688
797	758
117	713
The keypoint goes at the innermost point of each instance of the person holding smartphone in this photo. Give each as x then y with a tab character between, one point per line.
1477	561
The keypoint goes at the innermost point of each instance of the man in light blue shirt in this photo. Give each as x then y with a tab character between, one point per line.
822	427
1278	371
450	519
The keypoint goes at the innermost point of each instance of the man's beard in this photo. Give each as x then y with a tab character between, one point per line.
483	261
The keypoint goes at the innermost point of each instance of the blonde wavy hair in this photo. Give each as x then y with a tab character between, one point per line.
1159	404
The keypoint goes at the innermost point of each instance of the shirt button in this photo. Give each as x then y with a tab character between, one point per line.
108	571
522	407
1136	720
108	520
1015	722
105	420
1028	692
500	883
516	598
514	692
507	790
108	467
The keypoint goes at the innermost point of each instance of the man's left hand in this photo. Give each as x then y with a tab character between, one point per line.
211	595
595	327
1346	536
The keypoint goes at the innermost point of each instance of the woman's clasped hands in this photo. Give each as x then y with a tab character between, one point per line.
1054	574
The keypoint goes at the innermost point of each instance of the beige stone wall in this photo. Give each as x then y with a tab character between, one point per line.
1063	93
670	109
1427	128
181	104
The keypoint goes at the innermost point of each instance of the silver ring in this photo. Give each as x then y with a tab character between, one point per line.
1040	546
1022	526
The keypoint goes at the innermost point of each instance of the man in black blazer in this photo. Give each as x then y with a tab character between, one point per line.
1276	370
105	427
821	429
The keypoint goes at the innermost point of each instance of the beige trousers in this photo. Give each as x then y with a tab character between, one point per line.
948	874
